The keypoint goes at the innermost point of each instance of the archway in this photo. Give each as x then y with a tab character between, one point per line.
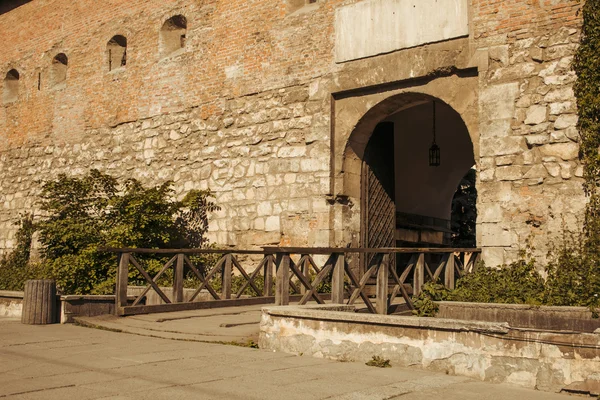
405	201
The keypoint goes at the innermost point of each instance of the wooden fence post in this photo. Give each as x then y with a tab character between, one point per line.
226	277
282	290
39	302
419	275
337	280
122	281
305	269
449	272
268	273
383	275
178	280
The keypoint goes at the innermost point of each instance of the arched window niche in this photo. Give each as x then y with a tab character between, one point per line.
10	92
173	35
58	71
116	52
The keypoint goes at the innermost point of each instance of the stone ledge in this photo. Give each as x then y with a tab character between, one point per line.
11	294
341	313
565	309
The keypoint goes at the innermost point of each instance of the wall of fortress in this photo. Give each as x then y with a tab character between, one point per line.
246	109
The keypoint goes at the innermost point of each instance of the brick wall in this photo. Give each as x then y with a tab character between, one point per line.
244	109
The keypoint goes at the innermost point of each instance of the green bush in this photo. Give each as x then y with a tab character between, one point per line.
83	215
16	267
573	279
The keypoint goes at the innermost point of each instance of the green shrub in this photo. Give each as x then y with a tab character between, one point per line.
16	267
573	279
82	215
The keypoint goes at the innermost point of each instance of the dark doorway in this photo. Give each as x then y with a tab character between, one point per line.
378	208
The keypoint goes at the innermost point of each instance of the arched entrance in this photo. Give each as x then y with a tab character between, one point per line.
405	201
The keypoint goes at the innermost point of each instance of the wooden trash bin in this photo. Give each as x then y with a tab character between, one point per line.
39	302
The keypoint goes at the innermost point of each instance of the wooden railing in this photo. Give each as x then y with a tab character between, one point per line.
392	272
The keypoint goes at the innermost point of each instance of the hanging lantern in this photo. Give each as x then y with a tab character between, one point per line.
434	150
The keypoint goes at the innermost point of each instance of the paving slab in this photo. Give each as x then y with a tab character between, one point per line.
223	325
71	362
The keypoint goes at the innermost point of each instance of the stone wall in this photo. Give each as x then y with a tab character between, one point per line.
529	175
490	351
253	103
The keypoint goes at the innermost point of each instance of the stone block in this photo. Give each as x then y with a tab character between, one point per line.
562	108
494	235
565	151
536	140
536	172
497	104
557	95
509	173
490	213
565	121
272	224
536	115
499	54
500	146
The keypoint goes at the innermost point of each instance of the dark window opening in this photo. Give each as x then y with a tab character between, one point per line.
116	50
58	71
11	86
173	35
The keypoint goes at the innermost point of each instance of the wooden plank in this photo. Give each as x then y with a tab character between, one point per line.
440	268
337	280
400	288
122	280
209	276
178	280
304	281
428	271
360	288
196	272
314	265
200	305
411	264
305	269
382	285
449	273
268	274
149	280
345	250
293	250
158	275
282	290
253	276
245	275
361	285
419	275
226	278
318	279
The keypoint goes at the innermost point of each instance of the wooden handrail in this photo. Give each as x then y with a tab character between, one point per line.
293	274
294	250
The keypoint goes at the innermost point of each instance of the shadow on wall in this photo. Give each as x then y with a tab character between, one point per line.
8	5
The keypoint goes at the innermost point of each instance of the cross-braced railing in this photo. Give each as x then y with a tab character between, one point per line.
290	274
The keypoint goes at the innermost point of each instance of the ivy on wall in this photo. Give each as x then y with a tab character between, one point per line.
587	91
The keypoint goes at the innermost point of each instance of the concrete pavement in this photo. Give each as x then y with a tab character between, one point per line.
70	362
220	325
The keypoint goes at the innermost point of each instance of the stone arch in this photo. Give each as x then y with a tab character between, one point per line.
355	119
116	52
173	35
58	70
10	91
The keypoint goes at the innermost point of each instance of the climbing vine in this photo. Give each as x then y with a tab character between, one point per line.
587	91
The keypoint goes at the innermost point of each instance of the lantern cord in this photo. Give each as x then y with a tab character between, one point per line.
434	122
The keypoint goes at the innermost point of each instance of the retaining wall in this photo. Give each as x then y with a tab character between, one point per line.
11	305
490	351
